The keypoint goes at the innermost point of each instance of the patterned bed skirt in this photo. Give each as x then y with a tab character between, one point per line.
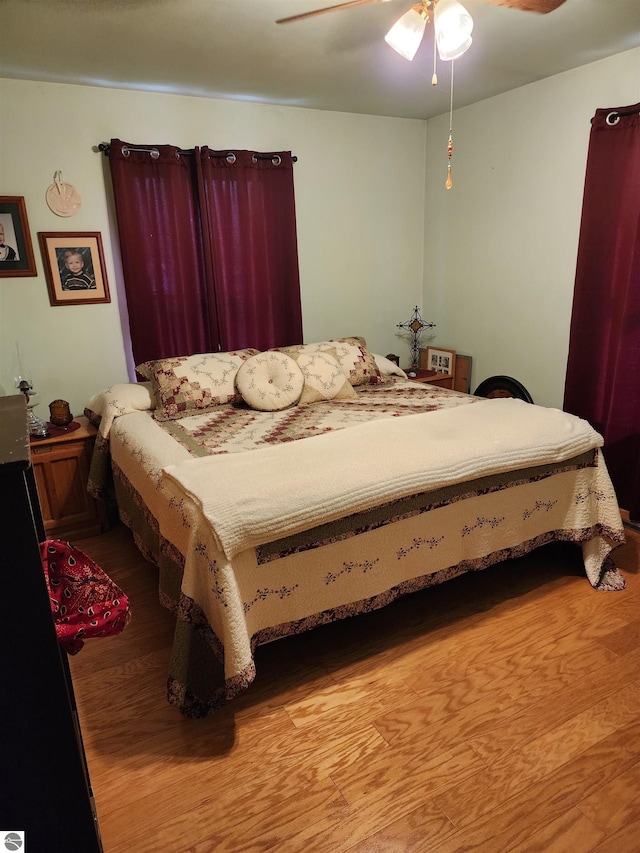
224	611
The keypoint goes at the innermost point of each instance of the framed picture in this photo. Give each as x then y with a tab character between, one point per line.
74	266
441	360
16	251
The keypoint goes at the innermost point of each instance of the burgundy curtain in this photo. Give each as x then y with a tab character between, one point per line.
209	248
160	232
603	371
251	228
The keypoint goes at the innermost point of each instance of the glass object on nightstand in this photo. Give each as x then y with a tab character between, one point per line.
23	382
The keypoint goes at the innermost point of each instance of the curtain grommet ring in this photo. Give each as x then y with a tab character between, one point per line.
231	157
276	159
612	119
125	152
154	153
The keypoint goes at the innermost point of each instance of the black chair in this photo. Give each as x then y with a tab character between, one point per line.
503	386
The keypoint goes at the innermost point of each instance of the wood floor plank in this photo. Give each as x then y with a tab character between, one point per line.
617	803
553	693
571	831
347	699
625	840
408	774
233	774
513	771
555	709
624	639
509	825
379	827
178	752
510	690
259	818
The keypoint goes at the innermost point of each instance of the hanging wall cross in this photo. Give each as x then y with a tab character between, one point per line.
415	327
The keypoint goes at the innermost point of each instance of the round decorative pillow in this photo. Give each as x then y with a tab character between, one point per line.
270	381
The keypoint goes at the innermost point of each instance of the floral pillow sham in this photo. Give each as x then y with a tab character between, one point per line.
189	385
357	362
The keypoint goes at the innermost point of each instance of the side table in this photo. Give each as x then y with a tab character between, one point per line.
61	468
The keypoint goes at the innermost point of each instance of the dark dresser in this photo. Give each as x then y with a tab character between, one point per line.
46	791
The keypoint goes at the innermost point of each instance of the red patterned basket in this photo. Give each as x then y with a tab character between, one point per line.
85	602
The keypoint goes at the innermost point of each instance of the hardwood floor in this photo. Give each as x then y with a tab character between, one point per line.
498	712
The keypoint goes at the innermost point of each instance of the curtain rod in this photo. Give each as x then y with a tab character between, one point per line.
615	116
104	147
623	113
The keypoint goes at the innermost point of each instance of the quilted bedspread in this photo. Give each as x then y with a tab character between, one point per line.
234	591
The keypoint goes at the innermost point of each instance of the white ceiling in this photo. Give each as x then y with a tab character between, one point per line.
338	61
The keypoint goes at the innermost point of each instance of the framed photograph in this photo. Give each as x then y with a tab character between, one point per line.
441	360
16	251
74	266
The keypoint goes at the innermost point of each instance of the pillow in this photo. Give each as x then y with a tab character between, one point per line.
119	400
357	362
388	367
324	378
270	381
188	385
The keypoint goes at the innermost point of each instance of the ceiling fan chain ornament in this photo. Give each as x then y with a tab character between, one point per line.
449	182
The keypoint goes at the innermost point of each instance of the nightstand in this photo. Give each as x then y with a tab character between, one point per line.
444	380
61	468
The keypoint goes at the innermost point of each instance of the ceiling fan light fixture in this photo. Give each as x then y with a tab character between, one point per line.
453	26
406	34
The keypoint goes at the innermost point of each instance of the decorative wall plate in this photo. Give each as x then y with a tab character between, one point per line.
63	199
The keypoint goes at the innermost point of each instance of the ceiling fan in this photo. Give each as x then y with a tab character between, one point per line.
452	26
452	23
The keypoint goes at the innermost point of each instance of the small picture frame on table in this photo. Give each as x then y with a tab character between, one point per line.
16	251
74	267
440	360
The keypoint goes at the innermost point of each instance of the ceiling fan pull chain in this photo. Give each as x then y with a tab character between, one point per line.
449	182
434	79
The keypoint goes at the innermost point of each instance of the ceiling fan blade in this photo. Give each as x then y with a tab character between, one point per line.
315	12
540	6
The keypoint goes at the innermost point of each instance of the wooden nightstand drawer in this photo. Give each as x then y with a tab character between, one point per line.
444	380
61	469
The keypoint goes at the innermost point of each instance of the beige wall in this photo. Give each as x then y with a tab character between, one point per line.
500	247
360	211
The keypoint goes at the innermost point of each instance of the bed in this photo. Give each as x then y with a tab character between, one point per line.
284	490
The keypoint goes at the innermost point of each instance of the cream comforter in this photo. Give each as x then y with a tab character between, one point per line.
283	489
